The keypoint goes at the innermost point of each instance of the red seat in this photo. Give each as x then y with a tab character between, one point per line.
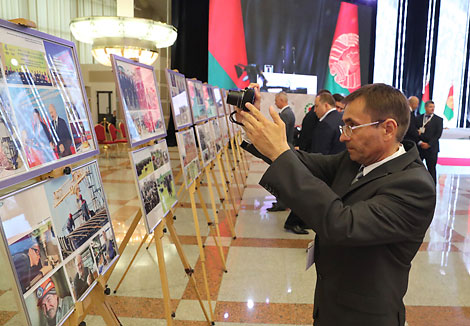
101	135
123	130
114	135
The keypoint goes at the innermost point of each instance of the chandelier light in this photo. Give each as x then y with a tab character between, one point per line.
129	37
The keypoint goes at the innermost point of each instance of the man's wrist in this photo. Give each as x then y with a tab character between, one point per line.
279	152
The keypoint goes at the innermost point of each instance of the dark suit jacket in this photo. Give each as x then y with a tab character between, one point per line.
65	139
325	138
433	132
412	132
289	119
306	133
366	234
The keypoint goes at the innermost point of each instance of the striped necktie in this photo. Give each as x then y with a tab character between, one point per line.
359	175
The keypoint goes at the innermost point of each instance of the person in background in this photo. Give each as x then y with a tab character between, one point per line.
430	130
287	115
412	132
339	102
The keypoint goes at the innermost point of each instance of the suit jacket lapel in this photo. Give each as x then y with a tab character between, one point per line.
390	167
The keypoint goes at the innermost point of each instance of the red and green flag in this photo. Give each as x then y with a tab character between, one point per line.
344	66
424	99
449	109
226	43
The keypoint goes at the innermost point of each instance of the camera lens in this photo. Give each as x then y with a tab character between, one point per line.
235	98
240	98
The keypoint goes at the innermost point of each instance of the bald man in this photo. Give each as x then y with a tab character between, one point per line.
412	132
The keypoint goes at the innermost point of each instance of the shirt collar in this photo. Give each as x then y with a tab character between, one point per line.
401	150
328	112
284	108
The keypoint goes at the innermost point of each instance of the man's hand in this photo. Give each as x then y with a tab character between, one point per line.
257	95
425	145
268	137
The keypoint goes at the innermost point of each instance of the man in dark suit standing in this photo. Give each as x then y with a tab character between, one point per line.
325	140
430	130
308	124
287	116
370	206
412	132
61	139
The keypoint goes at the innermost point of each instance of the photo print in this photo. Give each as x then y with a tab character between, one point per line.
50	301
217	135
30	235
104	248
11	156
140	100
179	99
196	99
218	101
82	272
224	130
156	185
78	207
209	101
42	123
188	155
207	144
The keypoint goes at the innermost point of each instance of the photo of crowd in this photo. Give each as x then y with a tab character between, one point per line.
50	301
188	155
140	100
207	144
196	99
104	248
81	272
209	101
156	188
77	206
179	99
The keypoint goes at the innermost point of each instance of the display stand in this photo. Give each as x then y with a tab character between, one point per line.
96	299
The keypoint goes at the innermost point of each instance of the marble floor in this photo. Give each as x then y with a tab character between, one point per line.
266	282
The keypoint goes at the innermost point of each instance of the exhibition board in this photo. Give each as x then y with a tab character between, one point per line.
209	101
140	101
188	156
45	122
179	99
61	244
219	101
207	142
196	100
155	182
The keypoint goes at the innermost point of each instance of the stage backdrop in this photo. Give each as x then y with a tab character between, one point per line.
292	36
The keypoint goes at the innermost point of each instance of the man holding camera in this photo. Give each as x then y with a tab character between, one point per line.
370	206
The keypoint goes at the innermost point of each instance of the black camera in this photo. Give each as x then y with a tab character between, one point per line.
241	97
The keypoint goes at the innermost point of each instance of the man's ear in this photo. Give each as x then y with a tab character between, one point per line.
390	128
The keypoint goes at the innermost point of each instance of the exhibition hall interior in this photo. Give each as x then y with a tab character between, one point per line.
235	162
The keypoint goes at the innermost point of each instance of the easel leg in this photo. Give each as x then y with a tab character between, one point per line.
237	173
187	267
163	276
201	250
229	181
130	263
223	198
125	241
214	231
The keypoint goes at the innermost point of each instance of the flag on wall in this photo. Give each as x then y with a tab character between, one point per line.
344	66
449	109
424	98
226	44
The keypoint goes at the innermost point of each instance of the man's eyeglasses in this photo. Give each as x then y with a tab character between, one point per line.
348	130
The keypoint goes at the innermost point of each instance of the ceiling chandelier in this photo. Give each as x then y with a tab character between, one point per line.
133	38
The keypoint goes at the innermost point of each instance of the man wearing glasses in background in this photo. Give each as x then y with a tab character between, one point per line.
370	206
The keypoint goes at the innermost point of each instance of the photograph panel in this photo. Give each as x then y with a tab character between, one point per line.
82	272
196	99
51	301
179	99
188	155
104	248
